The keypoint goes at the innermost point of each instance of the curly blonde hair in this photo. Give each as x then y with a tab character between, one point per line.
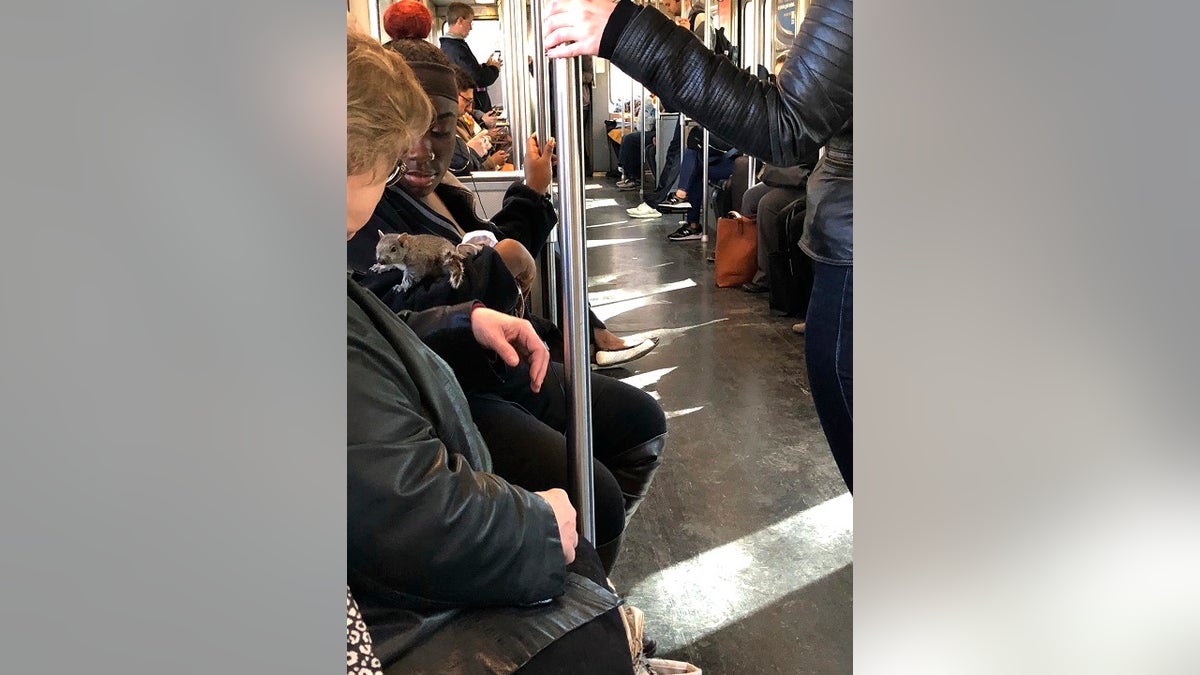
385	105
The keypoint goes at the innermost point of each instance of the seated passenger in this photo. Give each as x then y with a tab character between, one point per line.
425	200
779	187
527	440
720	166
629	155
475	148
453	568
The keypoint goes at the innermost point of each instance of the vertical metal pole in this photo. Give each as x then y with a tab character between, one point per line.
541	79
708	24
575	326
641	179
751	51
516	90
542	125
768	22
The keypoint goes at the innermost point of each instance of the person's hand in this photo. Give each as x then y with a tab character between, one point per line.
564	513
493	61
538	163
512	339
481	144
499	158
489	119
574	27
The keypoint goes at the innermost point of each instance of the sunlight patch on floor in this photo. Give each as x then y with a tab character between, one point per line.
699	596
666	335
602	279
615	222
672	414
601	298
617	308
596	243
643	380
599	203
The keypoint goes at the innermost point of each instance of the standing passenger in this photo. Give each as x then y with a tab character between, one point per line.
810	106
459	18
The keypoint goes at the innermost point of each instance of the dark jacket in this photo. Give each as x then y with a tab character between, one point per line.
433	538
810	107
526	216
459	52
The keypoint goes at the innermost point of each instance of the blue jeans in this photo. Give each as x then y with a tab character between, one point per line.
629	159
692	173
828	351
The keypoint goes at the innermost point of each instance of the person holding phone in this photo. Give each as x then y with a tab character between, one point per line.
459	18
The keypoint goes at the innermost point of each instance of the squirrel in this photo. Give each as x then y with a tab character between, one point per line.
419	256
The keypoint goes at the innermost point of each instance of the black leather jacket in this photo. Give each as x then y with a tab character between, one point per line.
810	107
440	552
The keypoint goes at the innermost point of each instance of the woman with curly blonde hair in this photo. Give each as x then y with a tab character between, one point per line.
454	568
385	110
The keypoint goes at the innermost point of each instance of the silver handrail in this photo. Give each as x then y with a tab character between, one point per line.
704	220
575	323
516	90
541	88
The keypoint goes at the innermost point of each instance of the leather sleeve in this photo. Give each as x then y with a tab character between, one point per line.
421	521
812	101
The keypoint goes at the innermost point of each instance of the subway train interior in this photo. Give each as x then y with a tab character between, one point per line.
740	555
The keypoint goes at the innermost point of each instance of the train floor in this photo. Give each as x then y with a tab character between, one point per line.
741	555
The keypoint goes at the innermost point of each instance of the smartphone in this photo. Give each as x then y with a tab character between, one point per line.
496	55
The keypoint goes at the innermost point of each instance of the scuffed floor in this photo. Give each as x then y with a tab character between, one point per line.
741	555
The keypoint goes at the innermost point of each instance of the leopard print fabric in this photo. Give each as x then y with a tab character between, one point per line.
360	658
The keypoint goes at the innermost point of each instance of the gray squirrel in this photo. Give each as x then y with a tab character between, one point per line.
419	256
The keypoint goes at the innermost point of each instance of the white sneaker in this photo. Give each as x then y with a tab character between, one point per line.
644	210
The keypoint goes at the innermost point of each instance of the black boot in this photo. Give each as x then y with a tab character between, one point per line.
608	553
634	470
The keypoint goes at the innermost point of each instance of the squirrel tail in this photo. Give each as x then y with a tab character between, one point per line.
453	262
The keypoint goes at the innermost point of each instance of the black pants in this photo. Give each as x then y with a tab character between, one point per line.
524	432
597	647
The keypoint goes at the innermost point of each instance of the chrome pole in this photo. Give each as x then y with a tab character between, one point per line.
750	60
575	325
541	79
516	85
641	179
541	88
708	24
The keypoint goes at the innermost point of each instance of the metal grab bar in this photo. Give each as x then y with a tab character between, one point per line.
575	322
